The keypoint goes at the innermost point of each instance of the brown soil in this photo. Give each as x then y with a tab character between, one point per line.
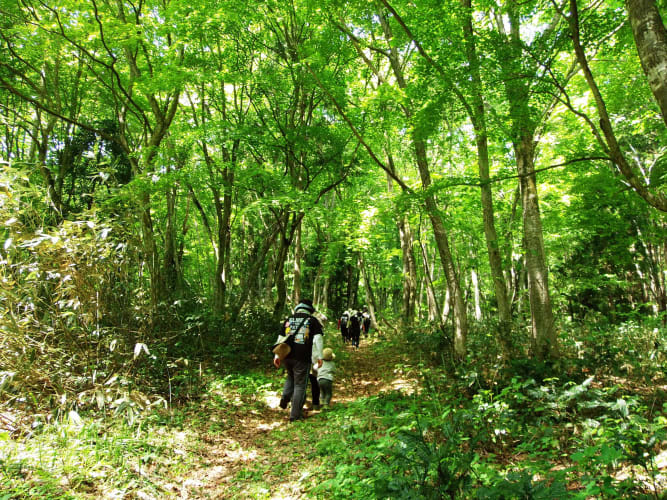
260	447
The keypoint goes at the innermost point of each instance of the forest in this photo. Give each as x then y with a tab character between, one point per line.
487	178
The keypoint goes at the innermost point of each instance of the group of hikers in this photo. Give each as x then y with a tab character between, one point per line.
300	350
351	324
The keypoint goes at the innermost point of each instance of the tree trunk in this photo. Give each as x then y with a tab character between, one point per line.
446	306
409	270
476	294
370	296
408	256
288	230
442	242
440	233
478	119
250	281
433	308
298	251
651	41
655	199
170	265
544	339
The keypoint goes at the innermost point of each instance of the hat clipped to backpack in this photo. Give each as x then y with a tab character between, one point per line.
282	350
328	354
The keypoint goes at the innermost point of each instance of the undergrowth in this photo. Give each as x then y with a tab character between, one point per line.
481	429
484	429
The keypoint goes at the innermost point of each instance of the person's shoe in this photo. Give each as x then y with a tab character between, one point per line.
317	407
283	403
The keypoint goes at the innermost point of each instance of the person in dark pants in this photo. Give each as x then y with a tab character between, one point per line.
315	389
366	322
343	324
305	340
354	327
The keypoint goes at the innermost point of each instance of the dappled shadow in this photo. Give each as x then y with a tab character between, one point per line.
261	437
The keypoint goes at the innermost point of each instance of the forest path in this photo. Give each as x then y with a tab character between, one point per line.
252	451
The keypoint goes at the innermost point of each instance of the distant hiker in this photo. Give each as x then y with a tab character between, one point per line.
366	322
354	327
325	376
304	337
343	324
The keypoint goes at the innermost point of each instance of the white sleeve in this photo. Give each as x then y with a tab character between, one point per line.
318	345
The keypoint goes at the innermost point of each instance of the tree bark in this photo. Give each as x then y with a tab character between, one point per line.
250	281
370	296
433	308
289	224
543	340
651	41
474	278
298	252
439	230
478	118
170	265
409	270
408	256
656	199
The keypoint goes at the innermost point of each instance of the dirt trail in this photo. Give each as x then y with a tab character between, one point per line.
237	459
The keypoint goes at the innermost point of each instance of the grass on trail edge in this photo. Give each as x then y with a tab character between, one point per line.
396	429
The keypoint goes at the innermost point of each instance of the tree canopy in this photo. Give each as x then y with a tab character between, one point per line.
175	174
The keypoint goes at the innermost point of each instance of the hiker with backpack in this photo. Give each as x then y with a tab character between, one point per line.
366	322
343	324
299	346
354	327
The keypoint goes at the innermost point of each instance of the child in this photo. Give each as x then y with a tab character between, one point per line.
325	376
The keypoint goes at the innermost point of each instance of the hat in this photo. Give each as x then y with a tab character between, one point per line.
306	305
282	350
328	354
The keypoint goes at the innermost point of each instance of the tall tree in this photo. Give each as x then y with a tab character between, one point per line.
524	123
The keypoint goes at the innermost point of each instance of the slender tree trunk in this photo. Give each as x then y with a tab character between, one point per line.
474	278
349	286
370	296
440	233
298	251
446	306
409	270
481	139
317	285
442	242
289	227
324	299
544	339
279	278
251	280
408	256
433	308
655	199
170	266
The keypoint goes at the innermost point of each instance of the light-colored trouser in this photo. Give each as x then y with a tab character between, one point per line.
295	385
326	390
